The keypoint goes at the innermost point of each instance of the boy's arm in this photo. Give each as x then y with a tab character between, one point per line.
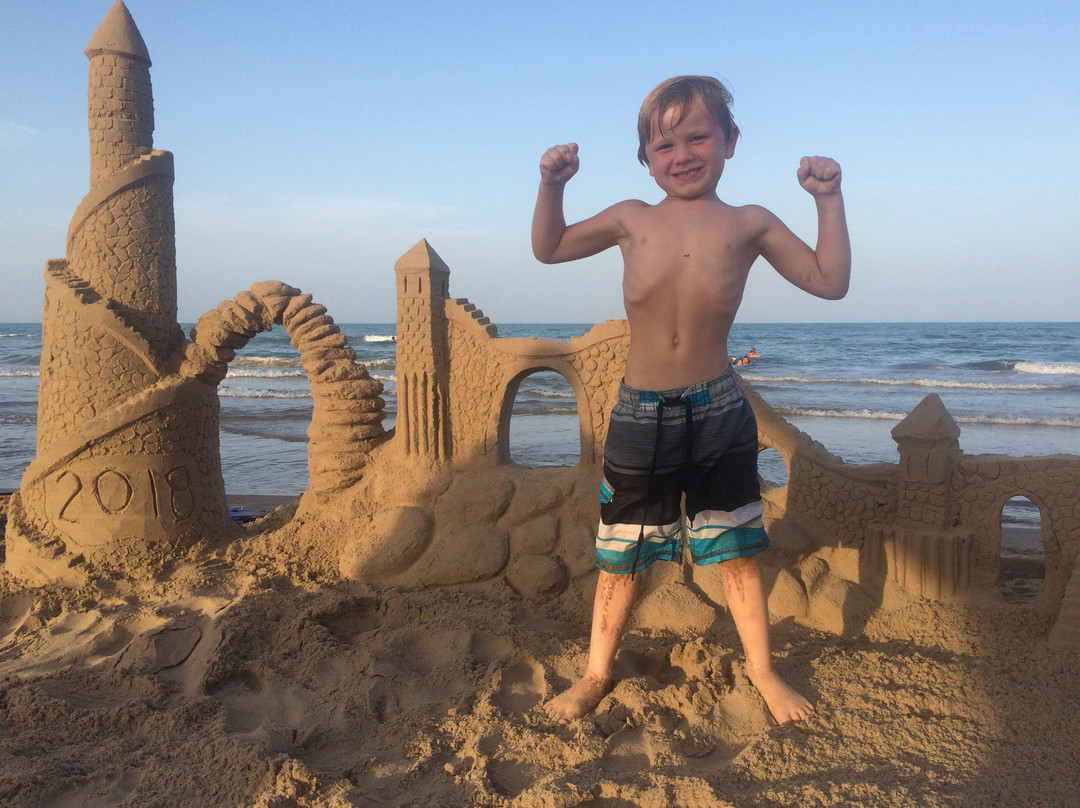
552	241
826	270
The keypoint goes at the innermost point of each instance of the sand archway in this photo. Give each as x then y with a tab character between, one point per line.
347	411
1021	555
554	439
509	396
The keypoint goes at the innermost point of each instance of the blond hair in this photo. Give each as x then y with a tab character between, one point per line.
678	94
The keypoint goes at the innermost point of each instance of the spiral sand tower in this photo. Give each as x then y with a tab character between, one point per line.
127	466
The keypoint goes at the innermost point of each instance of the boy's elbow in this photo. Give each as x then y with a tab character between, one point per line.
833	291
837	280
547	253
543	256
838	292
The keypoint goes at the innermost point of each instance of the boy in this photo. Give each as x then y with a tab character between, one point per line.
681	424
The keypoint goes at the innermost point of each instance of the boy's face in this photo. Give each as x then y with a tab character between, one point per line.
687	159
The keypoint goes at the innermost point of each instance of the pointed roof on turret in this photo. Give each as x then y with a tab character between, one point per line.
929	421
421	257
117	33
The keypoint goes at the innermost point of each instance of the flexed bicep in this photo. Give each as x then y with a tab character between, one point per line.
587	237
797	263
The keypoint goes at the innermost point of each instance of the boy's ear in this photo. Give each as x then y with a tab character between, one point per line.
731	142
732	138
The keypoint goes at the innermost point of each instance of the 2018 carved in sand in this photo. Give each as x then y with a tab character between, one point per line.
387	638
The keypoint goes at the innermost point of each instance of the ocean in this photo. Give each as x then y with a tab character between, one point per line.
1013	388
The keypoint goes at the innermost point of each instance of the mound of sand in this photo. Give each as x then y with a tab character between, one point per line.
258	679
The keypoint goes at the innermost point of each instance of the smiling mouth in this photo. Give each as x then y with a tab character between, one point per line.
689	173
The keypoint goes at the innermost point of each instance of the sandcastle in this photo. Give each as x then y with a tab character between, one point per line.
127	475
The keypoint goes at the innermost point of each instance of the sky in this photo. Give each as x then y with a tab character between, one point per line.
315	143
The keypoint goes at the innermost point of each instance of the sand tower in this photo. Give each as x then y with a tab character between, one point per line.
127	466
423	370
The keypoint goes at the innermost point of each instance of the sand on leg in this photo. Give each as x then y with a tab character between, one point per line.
611	608
745	592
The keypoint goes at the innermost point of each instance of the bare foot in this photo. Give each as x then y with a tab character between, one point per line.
578	700
786	705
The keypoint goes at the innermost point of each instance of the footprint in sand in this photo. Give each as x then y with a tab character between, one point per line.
244	697
521	686
352	618
630	749
14	609
510	777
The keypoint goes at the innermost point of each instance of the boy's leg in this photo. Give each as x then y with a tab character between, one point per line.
745	593
611	607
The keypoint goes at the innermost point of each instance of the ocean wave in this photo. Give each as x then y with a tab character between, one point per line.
380	338
274	367
266	361
940	384
544	411
18	420
265	373
970	420
1049	368
1027	366
7	373
238	429
1017	420
865	415
247	392
539	393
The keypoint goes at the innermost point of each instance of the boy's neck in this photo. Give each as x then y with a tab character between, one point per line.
711	198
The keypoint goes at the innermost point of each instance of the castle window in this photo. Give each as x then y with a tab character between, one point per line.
1021	564
772	468
543	424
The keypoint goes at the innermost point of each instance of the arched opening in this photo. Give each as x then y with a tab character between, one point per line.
544	427
1021	564
266	408
772	468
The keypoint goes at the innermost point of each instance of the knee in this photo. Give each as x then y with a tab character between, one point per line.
739	569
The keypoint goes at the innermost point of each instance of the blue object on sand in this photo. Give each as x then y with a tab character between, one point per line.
241	514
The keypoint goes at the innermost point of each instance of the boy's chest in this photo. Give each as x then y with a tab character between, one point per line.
678	250
706	235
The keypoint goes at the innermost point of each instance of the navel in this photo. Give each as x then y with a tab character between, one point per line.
675	342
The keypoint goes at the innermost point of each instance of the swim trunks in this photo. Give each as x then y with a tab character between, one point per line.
700	441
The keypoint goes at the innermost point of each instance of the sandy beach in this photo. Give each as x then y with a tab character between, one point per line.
257	677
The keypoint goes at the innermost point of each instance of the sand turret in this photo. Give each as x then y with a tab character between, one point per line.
423	282
127	465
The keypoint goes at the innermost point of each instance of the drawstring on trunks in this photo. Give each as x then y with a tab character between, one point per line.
686	401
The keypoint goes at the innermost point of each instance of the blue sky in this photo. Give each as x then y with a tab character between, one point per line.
316	143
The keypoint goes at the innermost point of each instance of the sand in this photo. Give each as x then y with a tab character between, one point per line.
257	677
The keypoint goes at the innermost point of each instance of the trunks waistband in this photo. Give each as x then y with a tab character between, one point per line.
697	395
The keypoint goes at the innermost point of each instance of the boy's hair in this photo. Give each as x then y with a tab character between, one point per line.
678	94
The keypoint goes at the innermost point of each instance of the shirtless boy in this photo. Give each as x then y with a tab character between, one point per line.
681	423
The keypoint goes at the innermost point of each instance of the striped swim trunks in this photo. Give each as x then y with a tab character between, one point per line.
700	441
